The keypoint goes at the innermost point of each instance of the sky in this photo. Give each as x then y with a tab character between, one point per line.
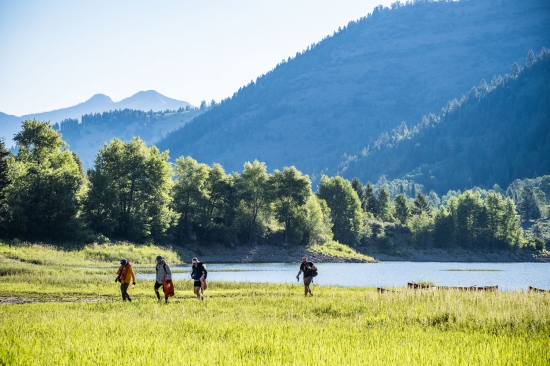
55	54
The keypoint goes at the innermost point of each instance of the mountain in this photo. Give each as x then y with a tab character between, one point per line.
150	100
88	135
143	100
340	94
5	117
497	133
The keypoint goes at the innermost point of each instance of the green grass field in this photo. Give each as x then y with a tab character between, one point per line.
74	316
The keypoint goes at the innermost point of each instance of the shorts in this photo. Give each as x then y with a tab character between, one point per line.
307	280
197	283
159	285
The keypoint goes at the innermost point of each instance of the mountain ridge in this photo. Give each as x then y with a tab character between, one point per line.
392	66
98	103
497	133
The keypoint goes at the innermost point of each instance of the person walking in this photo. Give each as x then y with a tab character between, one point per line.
307	268
164	274
124	275
199	274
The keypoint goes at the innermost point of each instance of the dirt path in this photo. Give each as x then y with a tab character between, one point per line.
12	300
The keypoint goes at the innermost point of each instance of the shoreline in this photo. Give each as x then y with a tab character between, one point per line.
294	254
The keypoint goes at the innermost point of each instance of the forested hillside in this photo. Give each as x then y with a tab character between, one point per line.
335	97
497	133
87	137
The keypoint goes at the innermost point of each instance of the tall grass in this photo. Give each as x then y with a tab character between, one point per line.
335	249
94	254
251	324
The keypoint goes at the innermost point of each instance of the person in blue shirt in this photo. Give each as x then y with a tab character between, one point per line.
199	274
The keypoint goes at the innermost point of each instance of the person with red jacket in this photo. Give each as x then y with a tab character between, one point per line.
125	275
163	279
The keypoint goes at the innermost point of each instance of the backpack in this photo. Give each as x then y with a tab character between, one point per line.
314	272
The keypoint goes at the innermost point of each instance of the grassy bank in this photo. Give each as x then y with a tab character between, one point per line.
77	318
335	249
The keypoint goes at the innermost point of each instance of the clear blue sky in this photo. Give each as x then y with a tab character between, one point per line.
55	54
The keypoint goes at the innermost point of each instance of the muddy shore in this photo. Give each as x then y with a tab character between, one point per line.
293	254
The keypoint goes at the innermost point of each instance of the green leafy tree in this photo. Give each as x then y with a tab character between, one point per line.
189	195
311	222
129	192
42	200
443	234
4	178
494	206
289	191
345	208
252	194
402	211
469	220
421	227
218	215
317	225
511	230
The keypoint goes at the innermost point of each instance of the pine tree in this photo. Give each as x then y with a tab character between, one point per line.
515	70
383	205
528	205
370	199
420	205
530	60
402	211
358	188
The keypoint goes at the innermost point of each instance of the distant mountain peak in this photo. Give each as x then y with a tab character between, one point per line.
101	98
150	99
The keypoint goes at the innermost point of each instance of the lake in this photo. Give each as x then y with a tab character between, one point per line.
508	276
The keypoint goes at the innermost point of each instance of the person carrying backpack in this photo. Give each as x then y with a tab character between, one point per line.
309	270
199	274
163	279
124	275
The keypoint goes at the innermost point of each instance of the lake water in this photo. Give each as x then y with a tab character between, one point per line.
508	276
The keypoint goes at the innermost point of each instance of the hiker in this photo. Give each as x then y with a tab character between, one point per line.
164	274
124	275
307	268
199	274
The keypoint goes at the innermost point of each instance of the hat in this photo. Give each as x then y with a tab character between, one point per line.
123	261
159	257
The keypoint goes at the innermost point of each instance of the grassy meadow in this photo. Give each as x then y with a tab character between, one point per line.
73	315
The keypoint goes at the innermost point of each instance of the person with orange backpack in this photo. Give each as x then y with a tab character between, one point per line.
163	279
124	275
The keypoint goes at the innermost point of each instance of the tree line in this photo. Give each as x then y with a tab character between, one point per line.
134	193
